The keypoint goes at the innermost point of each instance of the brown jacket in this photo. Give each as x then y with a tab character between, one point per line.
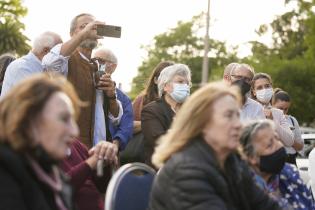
80	74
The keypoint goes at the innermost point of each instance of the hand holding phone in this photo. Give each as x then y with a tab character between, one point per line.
109	31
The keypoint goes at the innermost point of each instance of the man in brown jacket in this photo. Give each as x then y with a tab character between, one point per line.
73	59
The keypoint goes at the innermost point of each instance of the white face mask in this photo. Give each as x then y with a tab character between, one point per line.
264	95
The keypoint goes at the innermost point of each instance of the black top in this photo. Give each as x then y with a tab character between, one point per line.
156	119
192	180
21	190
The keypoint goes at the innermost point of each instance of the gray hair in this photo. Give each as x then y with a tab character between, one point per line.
47	39
73	23
249	133
244	66
110	56
168	73
229	68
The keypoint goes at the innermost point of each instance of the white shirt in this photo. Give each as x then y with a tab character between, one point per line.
311	170
251	110
282	127
20	69
296	133
60	63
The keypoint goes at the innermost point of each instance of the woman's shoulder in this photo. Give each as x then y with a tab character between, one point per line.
12	169
9	158
196	155
277	111
154	106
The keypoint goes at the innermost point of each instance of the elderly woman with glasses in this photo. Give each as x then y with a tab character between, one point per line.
156	117
266	155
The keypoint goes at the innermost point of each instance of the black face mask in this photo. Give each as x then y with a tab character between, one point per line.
274	162
244	86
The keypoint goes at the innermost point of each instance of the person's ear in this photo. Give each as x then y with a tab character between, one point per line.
33	133
114	66
253	92
226	77
168	88
46	50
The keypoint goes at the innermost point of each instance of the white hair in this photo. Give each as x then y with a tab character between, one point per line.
168	73
47	39
229	68
110	56
244	66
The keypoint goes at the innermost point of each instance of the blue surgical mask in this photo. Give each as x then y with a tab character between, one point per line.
180	92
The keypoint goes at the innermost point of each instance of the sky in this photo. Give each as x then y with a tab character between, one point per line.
232	21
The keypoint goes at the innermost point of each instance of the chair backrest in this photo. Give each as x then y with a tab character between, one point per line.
129	188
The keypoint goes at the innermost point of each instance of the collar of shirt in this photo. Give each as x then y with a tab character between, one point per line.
84	57
32	56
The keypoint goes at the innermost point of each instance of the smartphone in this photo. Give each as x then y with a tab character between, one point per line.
109	31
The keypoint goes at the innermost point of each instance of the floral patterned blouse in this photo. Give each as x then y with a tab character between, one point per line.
288	188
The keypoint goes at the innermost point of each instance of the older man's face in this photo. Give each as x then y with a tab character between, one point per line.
81	23
241	73
102	59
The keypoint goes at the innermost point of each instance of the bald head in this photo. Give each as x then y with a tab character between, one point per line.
44	42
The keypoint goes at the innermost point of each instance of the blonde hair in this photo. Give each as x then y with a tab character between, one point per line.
25	102
191	119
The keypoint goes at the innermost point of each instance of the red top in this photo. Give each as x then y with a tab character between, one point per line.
88	188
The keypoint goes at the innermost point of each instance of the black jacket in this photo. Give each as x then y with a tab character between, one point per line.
21	190
156	119
192	180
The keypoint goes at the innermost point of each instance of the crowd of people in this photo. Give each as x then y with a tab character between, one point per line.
229	145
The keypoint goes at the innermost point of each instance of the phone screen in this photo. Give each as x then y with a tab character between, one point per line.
109	31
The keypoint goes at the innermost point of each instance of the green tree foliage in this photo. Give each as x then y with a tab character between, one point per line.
290	60
11	28
183	44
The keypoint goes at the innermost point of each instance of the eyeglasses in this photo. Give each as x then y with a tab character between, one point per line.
239	77
101	60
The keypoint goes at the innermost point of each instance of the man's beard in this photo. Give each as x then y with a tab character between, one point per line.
89	44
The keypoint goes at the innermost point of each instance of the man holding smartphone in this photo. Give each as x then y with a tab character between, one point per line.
73	59
122	132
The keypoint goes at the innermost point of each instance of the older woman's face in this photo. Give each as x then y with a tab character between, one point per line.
266	142
55	127
223	129
177	79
